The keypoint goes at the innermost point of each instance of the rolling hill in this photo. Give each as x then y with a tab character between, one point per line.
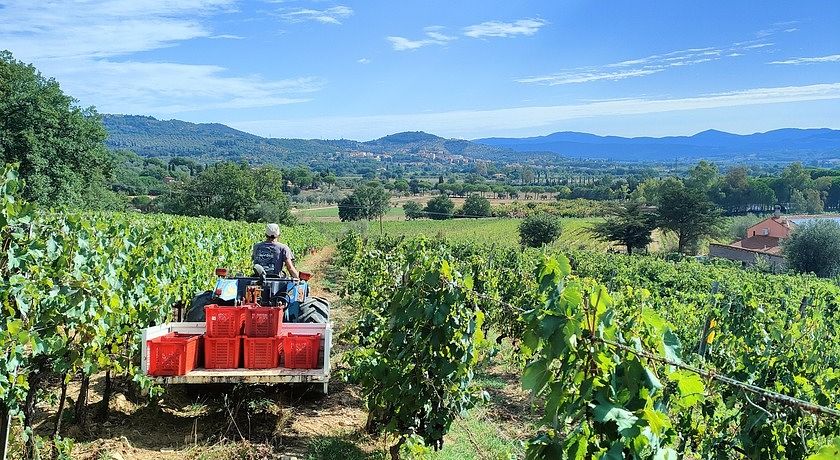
779	145
150	137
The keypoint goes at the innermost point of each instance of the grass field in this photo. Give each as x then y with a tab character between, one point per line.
499	231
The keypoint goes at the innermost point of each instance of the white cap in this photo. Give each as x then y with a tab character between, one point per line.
272	230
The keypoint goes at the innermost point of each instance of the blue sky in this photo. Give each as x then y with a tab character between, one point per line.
363	69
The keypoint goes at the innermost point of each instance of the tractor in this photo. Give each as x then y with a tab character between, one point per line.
288	293
303	317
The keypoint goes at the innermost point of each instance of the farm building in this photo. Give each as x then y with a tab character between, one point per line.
764	239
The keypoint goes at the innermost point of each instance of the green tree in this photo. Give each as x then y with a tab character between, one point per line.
476	206
813	202
814	247
59	146
688	213
539	229
413	210
270	203
798	203
253	195
440	207
401	186
369	201
630	226
703	176
414	186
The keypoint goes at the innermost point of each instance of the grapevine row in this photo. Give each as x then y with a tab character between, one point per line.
78	288
576	333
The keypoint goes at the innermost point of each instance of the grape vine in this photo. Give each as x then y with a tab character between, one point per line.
598	342
78	288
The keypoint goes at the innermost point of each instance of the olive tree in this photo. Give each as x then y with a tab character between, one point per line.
814	247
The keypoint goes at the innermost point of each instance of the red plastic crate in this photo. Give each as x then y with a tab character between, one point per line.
301	351
222	352
224	321
173	354
262	352
263	321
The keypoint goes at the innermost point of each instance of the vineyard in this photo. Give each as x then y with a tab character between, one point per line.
626	357
78	288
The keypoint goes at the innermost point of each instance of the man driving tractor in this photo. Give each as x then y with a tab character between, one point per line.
272	255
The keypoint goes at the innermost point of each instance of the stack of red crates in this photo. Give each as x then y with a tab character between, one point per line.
223	336
262	328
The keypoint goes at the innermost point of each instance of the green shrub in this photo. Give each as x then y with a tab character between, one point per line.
814	247
413	210
440	208
476	206
539	230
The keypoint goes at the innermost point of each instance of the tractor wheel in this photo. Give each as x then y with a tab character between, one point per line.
196	312
314	310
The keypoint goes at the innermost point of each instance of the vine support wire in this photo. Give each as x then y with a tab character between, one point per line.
764	393
747	387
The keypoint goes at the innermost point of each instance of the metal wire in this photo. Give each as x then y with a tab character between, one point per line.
712	375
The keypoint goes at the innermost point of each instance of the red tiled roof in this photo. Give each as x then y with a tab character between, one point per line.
759	243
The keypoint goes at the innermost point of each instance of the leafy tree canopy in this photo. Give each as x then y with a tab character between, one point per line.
815	248
539	229
59	146
368	201
232	191
630	226
440	208
476	206
688	213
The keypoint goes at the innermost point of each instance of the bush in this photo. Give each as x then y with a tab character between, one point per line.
440	208
413	210
539	229
476	206
815	248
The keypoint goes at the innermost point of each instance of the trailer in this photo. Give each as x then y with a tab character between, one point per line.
318	377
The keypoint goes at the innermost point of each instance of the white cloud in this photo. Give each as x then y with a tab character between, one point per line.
504	29
644	66
479	123
88	46
47	29
809	60
227	37
169	88
433	36
332	15
364	61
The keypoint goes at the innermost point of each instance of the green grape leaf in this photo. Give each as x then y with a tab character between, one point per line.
608	412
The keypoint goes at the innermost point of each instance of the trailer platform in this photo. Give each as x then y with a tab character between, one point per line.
319	376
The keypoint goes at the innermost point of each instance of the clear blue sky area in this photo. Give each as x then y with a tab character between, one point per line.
364	69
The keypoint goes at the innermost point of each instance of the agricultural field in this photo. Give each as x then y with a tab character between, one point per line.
498	231
659	337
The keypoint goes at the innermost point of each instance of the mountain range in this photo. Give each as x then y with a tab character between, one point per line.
148	136
779	145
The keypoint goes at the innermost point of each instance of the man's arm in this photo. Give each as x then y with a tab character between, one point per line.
290	266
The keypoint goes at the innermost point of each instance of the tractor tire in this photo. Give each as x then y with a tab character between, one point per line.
314	310
196	312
